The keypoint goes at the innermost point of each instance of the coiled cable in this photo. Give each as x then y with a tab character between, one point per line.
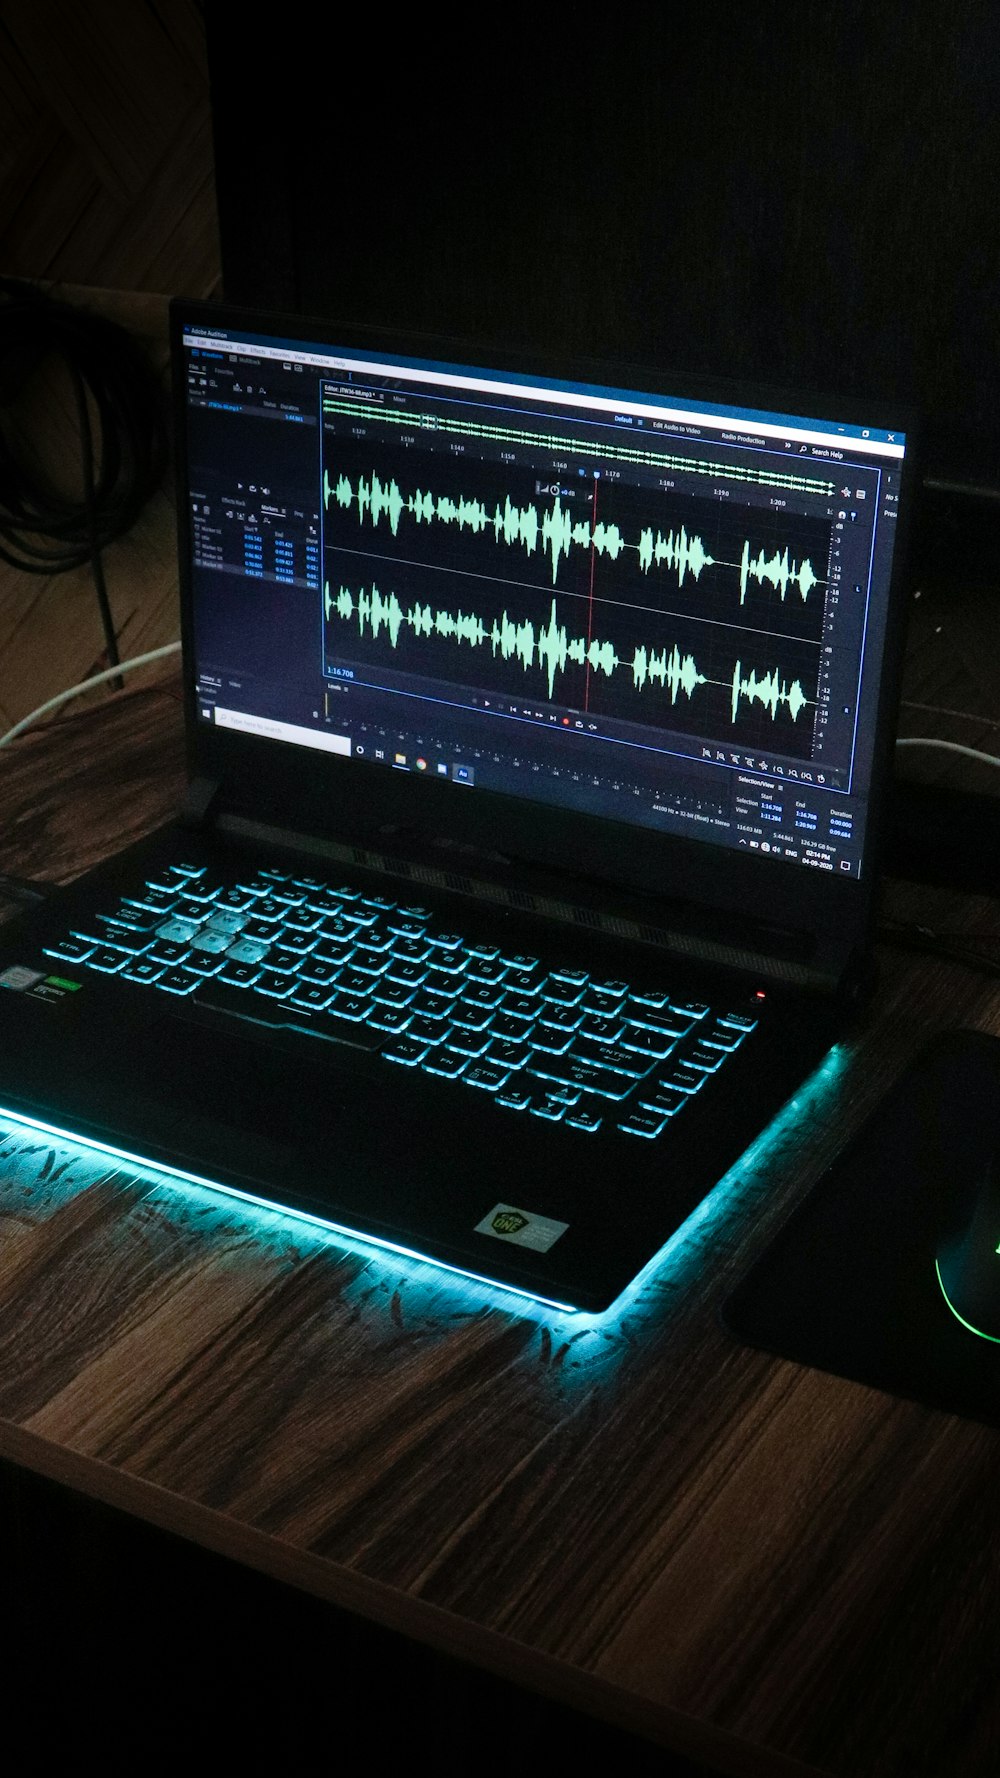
122	442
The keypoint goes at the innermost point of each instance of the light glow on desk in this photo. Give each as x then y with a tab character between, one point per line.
683	1252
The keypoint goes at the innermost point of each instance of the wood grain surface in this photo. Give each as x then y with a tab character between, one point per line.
738	1557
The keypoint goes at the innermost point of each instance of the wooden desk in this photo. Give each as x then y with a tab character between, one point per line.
739	1558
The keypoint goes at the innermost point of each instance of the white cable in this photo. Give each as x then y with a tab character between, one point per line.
139	660
988	759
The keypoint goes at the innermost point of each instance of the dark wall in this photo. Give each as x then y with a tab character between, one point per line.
806	192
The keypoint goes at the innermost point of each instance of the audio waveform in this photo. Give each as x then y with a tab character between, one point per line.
556	531
551	649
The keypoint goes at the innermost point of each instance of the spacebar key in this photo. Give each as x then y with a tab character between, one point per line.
256	1009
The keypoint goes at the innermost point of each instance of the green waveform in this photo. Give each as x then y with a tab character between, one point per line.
551	648
769	691
556	531
778	570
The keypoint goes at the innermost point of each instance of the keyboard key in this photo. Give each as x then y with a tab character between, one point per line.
563	993
413	950
446	986
447	1062
428	1030
303	920
574	978
489	1075
618	1059
550	1041
692	1009
274	985
315	970
386	993
654	1044
70	949
239	975
248	951
126	940
521	1006
401	969
601	1027
559	1018
586	1121
179	981
667	1100
469	1043
548	1106
354	981
517	1030
352	1007
235	900
565	1071
512	1055
481	994
513	1097
407	1050
643	1123
298	944
134	919
212	942
470	1018
187	909
389	1018
179	932
405	929
142	969
738	1021
522	981
153	901
686	1080
108	959
223	920
310	995
672	1025
204	962
601	1005
168	950
705	1057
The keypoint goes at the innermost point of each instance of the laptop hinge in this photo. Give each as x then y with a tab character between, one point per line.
198	805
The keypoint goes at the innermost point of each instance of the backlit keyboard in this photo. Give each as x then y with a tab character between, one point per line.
287	951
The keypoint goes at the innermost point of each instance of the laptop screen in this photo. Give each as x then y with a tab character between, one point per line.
644	606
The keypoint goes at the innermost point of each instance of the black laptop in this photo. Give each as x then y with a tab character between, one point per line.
537	719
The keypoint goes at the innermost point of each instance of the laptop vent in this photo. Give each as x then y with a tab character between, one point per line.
698	948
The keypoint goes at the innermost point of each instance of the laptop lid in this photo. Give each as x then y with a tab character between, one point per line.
546	620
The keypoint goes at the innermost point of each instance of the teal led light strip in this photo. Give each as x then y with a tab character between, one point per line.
994	1339
601	1334
326	1226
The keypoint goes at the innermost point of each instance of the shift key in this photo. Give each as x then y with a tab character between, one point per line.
564	1071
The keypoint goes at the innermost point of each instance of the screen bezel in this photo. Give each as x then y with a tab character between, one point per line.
307	790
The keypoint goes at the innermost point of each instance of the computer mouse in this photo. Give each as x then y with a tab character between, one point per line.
968	1260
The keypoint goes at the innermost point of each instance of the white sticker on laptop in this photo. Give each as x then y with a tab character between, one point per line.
507	1223
19	976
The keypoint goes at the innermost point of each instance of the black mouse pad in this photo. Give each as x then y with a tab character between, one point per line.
850	1283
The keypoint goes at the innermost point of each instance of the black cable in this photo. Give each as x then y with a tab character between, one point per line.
43	530
27	893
